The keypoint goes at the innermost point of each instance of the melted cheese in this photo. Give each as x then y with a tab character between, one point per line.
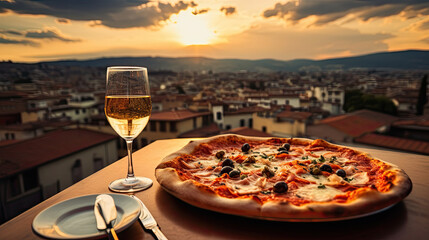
359	178
314	193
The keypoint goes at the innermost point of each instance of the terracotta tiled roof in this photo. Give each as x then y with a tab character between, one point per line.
8	142
176	115
395	143
30	153
417	122
360	122
294	115
245	131
245	110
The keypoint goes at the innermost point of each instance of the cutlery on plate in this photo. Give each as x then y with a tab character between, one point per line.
148	222
105	214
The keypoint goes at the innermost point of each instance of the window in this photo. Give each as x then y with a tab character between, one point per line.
194	122
12	136
242	122
162	126
143	142
219	115
250	123
13	186
84	110
206	120
228	127
153	126
118	143
98	163
76	171
31	179
264	129
76	111
173	127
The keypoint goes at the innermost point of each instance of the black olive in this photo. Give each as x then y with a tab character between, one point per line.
234	173
326	168
341	173
226	169
228	162
281	149
286	146
245	147
280	187
220	154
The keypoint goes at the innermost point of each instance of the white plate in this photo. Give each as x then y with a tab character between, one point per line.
75	219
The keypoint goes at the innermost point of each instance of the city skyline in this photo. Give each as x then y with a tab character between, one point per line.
285	30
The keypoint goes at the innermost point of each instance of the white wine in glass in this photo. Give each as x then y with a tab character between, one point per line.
128	107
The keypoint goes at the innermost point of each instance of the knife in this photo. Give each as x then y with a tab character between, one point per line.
147	220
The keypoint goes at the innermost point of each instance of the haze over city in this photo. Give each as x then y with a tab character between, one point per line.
50	30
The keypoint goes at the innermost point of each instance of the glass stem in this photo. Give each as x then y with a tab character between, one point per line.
130	173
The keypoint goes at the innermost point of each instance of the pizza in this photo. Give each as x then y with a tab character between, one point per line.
286	179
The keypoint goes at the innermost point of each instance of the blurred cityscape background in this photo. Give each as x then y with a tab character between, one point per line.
53	131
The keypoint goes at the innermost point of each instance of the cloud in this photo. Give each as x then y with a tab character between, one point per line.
423	25
327	11
110	13
5	40
228	10
11	32
425	40
196	12
52	34
62	20
272	41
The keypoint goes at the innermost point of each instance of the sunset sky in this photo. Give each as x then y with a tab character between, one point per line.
32	31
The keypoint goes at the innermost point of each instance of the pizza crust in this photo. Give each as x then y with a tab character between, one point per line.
195	194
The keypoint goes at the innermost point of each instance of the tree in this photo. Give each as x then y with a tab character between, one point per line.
356	100
422	99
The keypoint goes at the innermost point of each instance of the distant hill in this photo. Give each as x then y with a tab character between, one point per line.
400	60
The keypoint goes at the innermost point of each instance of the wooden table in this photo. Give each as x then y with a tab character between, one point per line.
178	220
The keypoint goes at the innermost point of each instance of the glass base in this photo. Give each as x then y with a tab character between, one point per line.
134	184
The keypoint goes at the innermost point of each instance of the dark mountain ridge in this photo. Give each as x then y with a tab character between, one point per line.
399	60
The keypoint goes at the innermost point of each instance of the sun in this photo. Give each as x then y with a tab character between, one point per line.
193	29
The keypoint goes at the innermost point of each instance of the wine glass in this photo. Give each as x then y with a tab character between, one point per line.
128	107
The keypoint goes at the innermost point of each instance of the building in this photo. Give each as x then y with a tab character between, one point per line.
346	127
227	118
282	123
171	124
35	169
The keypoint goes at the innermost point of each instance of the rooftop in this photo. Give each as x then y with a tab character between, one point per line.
294	115
245	131
359	122
245	110
395	143
176	115
26	154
